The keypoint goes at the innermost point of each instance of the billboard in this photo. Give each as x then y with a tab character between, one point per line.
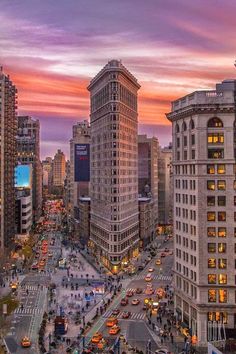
23	176
82	163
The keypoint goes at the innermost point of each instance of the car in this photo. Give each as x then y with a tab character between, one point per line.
41	263
151	270
114	330
166	249
138	291
112	321
35	266
140	267
25	342
135	301
115	312
129	293
149	291
148	277
148	259
124	301
126	314
50	254
96	337
163	254
158	261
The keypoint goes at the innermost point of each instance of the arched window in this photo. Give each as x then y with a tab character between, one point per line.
184	127
215	123
191	124
177	128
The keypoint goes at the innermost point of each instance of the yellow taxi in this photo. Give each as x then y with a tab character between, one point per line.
158	262
41	263
25	342
96	337
148	277
114	330
112	321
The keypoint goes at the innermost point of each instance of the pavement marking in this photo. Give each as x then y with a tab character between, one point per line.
155	277
134	315
27	311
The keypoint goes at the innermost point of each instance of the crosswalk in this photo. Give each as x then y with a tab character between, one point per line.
155	277
133	316
30	287
27	311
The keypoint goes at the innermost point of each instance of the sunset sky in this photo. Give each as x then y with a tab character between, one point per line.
52	49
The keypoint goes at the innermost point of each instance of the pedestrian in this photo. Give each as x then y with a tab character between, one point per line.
162	340
171	337
153	326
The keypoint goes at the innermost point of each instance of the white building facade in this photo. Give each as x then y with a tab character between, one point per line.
204	170
114	227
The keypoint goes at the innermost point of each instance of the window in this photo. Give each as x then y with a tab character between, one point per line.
221	216
193	139
211	247
215	153
178	142
211	278
222	278
210	169
191	124
221	169
221	185
185	141
218	316
193	154
222	295
211	263
211	185
184	127
221	247
215	123
221	200
177	128
215	138
210	200
211	232
222	263
221	231
211	295
211	216
185	155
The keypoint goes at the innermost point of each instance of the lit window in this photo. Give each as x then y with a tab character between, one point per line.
215	153
222	278
215	138
222	295
222	263
221	247
221	185
210	169
211	263
211	278
211	232
211	247
210	200
222	232
221	216
218	316
211	295
215	122
211	216
211	185
221	169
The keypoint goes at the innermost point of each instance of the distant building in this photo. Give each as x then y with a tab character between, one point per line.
66	194
147	225
114	227
83	220
28	152
148	171
79	187
47	172
165	186
59	169
8	103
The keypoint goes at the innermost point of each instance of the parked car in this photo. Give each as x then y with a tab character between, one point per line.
124	301
135	301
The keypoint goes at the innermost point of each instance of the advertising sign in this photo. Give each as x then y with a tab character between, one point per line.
82	162
23	176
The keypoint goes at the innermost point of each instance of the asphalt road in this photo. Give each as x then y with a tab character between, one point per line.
135	329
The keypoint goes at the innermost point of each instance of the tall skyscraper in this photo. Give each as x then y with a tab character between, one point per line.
28	153
204	131
165	186
148	170
47	173
114	225
8	102
59	169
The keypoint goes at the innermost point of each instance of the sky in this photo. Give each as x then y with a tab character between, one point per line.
51	50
